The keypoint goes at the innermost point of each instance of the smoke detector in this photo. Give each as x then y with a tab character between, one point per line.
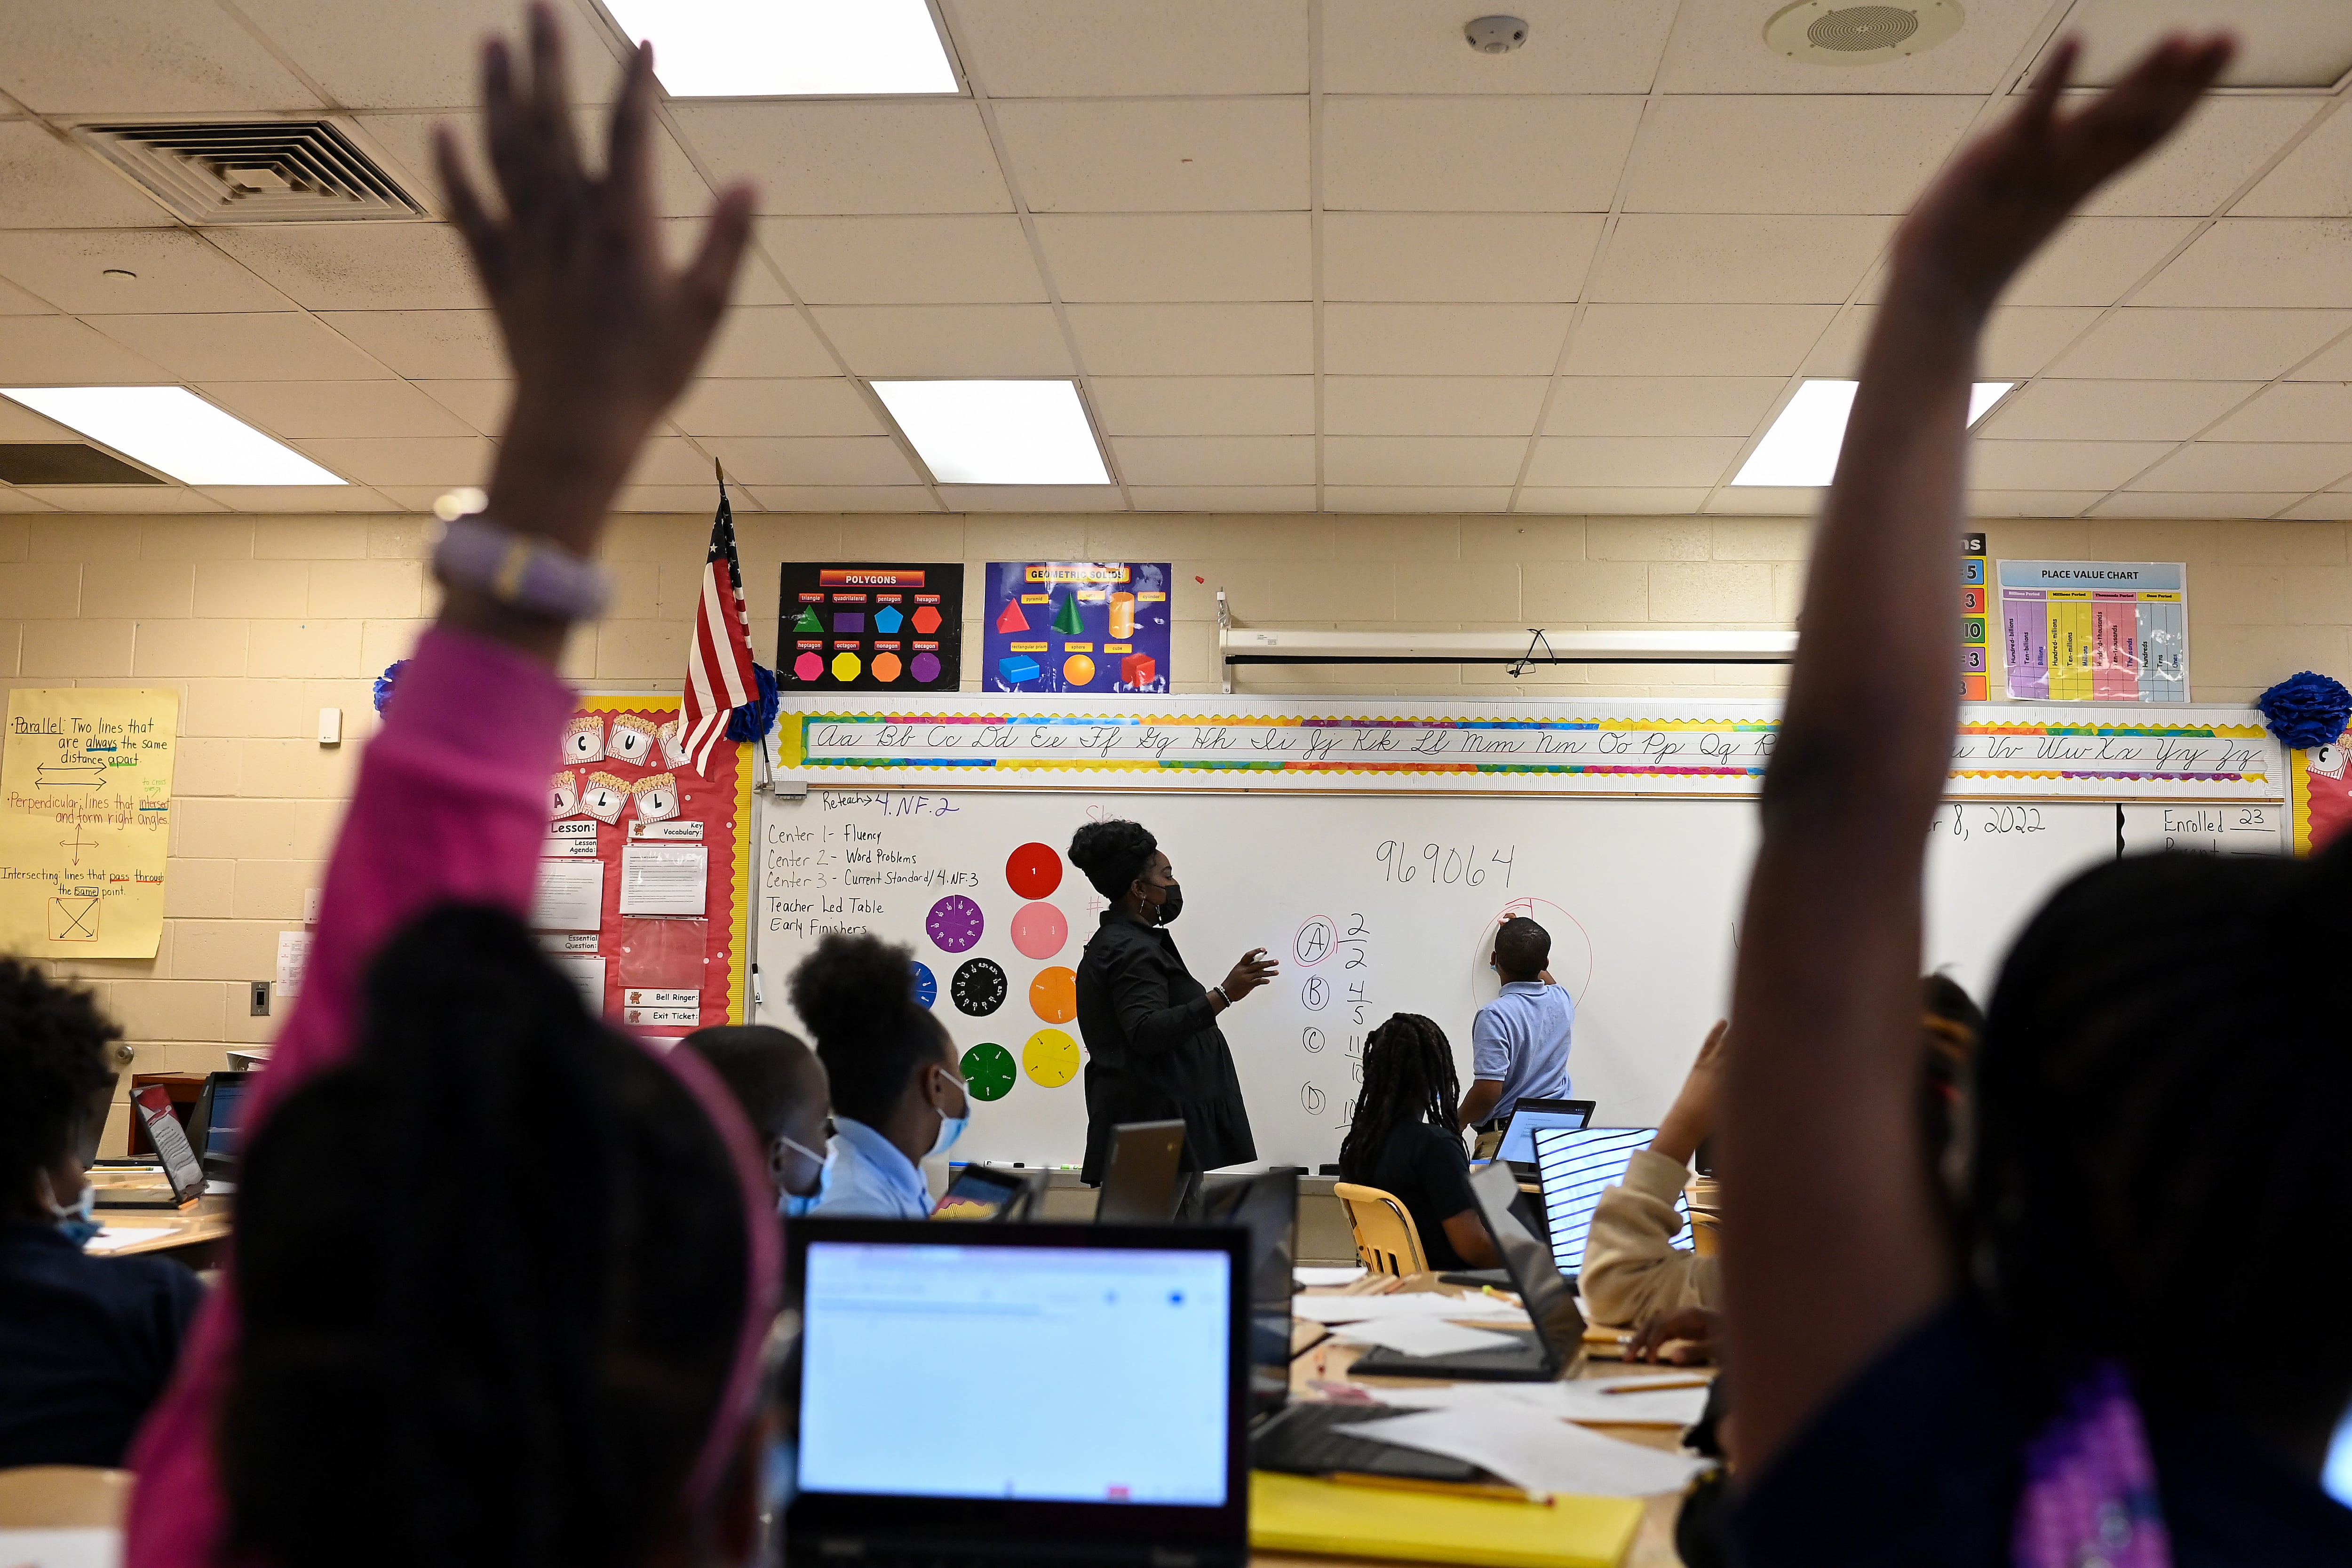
1824	33
1497	34
270	171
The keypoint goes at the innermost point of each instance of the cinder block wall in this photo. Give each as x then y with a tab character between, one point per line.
261	621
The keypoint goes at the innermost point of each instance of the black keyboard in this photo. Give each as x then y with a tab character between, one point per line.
1312	1440
843	1551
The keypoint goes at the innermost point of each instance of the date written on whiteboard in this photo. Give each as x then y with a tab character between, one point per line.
1445	864
1969	822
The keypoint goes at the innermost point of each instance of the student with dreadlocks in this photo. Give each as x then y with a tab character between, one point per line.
1402	1140
502	1274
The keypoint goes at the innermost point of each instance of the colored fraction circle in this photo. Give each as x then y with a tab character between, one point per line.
979	987
1039	931
808	667
1050	1058
988	1071
845	665
927	985
1034	870
886	668
1078	669
955	923
1054	994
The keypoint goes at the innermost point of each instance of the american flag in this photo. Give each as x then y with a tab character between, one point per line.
718	666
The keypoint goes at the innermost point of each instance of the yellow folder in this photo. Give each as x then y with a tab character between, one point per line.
1301	1513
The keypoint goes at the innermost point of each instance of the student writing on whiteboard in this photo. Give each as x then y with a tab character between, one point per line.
1153	1048
1519	1044
1404	1141
897	1099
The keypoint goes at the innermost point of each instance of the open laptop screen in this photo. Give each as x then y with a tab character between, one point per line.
1079	1374
1531	1117
228	1123
1576	1168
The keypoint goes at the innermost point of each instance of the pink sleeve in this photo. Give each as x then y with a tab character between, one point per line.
451	806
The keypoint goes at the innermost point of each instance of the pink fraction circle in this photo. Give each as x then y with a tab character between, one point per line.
808	667
1039	931
1034	870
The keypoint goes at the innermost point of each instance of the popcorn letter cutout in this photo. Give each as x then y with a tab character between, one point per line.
657	796
562	796
604	796
631	740
583	740
673	748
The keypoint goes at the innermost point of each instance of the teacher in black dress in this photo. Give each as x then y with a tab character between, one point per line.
1153	1050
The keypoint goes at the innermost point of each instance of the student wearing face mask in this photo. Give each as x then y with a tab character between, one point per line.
86	1343
898	1096
784	1091
1154	1052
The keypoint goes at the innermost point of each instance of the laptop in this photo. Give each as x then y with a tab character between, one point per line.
1530	1117
1575	1168
989	1193
1141	1186
1022	1391
1554	1348
1264	1207
218	1121
183	1174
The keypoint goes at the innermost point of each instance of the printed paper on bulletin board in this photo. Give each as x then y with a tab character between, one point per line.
86	821
628	817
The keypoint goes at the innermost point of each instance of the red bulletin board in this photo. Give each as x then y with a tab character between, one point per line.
649	959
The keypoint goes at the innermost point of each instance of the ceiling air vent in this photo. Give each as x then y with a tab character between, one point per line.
67	463
266	171
1823	33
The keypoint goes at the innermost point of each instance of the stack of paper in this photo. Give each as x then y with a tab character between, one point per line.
1407	1304
1309	1276
1422	1336
1591	1400
1536	1451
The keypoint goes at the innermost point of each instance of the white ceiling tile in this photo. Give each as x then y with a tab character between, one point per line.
1215	459
1660	405
1072	48
2030	503
360	265
2220	345
1442	340
2021	341
1633	461
1158	155
2330	507
672	461
439	460
845	498
15	301
173	271
2223	143
1467	257
2113	410
1790	155
755	281
1432	405
47	183
1718	47
418	54
872	155
1422	460
141	56
2235	507
1203	404
1671	258
2059	465
2250	466
830	406
1695	340
298	497
693	500
2313	181
14	499
1610	501
2291	411
18	423
241	347
480	404
123	499
404	142
767	341
1195	340
2282	261
2333	362
924	340
1573	45
438	345
1032	497
299	408
2093	260
1475	154
812	459
944	259
1416	498
1192	255
1225	498
37	350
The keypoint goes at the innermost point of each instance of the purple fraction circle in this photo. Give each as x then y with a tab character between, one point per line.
955	923
925	667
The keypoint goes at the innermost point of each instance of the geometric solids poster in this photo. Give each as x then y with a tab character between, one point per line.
86	821
1067	626
2095	631
851	627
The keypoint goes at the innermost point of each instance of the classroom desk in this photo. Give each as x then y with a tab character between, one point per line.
193	1235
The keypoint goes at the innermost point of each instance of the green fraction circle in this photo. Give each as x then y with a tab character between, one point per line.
989	1072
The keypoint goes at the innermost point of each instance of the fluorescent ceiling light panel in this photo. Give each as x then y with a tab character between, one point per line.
998	431
1801	448
790	49
171	429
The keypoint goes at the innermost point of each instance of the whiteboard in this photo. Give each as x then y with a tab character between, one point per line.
1379	904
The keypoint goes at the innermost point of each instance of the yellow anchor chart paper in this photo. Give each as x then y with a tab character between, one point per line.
85	820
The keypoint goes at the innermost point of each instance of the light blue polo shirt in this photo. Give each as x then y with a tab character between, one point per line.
1520	1038
871	1179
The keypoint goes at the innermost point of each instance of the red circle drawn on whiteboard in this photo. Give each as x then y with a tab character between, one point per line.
1034	871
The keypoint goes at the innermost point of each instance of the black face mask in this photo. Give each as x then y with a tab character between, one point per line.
1172	903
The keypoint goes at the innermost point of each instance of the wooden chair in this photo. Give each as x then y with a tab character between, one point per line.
63	1496
1706	1232
1386	1238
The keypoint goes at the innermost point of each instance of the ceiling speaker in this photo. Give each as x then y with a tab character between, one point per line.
1823	33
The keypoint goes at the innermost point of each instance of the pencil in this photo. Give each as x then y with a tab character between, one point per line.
1648	1384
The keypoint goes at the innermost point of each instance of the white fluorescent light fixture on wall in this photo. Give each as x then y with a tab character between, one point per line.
1801	448
790	49
998	431
172	429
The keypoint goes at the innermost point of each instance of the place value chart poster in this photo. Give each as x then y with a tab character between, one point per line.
2095	631
1062	626
85	820
850	626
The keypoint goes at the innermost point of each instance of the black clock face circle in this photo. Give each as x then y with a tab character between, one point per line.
978	987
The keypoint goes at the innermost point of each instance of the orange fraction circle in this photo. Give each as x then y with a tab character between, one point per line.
1078	669
1054	994
885	667
1034	870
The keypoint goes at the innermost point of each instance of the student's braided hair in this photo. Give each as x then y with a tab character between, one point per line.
493	1274
1408	1076
856	994
52	1065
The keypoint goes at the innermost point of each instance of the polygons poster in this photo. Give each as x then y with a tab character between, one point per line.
870	627
1096	626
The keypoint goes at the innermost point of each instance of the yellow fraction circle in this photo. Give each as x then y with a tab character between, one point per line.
845	665
1054	994
1078	669
1050	1058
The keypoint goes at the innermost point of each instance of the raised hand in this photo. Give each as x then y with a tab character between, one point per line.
1249	972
